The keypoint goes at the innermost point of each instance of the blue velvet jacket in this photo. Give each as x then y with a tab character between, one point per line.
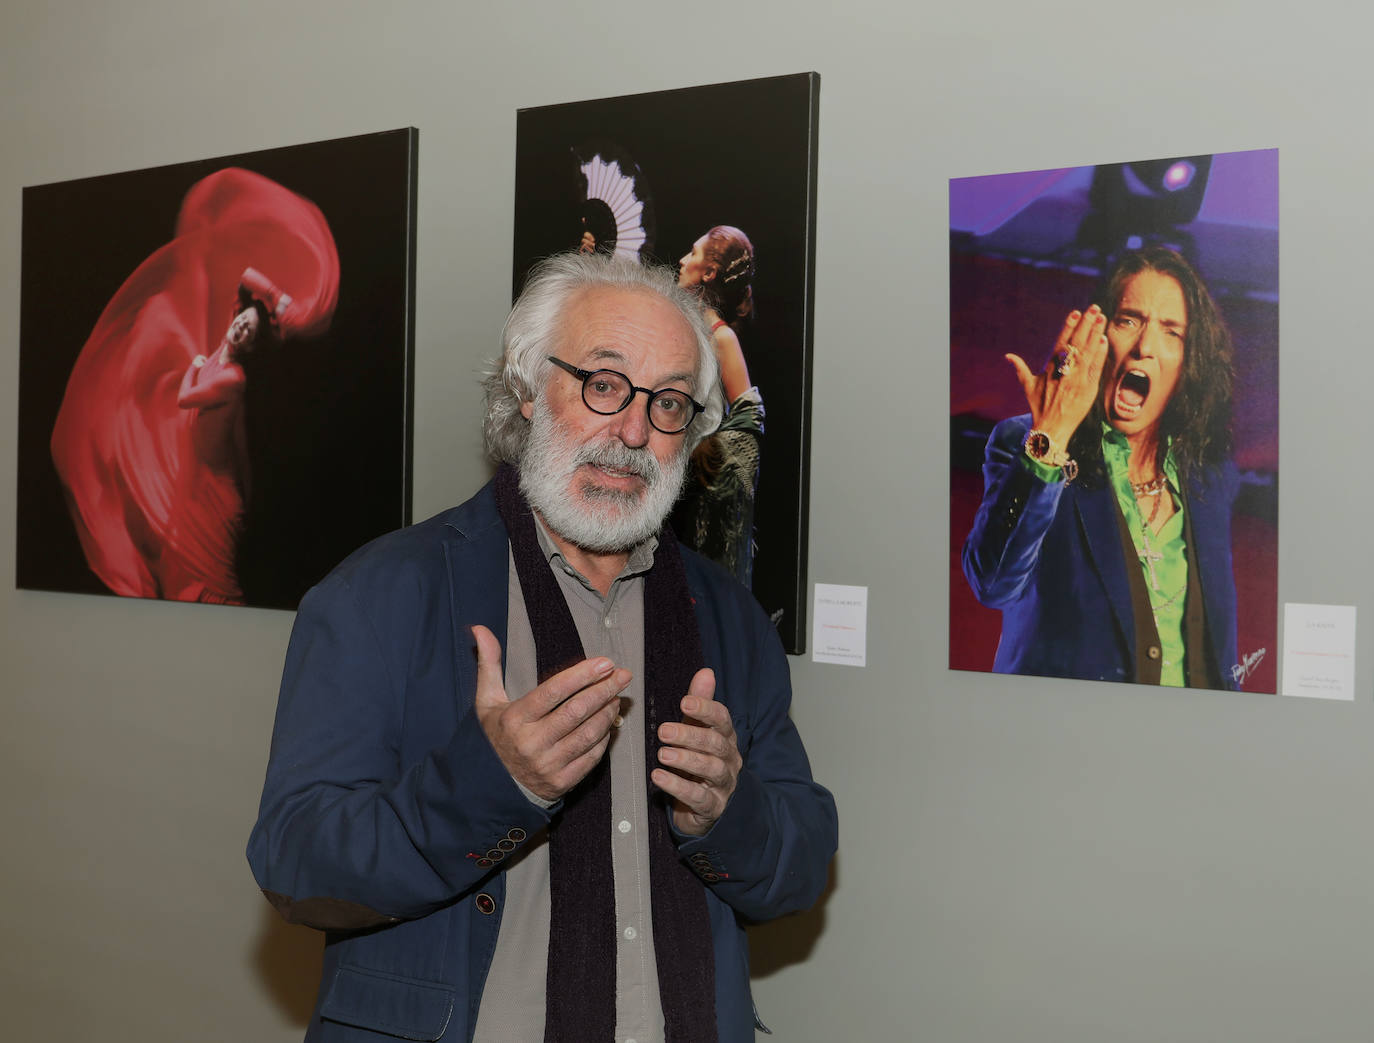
381	783
1049	555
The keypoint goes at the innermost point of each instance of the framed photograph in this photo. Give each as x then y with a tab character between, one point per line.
719	181
1114	422
215	371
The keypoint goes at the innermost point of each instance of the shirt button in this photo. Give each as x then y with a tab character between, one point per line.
609	622
1153	652
624	826
619	720
631	934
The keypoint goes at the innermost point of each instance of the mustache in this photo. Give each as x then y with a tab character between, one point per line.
618	456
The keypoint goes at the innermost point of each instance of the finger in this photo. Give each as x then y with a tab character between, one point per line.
700	801
572	714
491	686
557	689
1087	329
696	795
583	749
1066	334
594	729
1024	376
711	736
578	768
705	767
712	717
701	690
1097	344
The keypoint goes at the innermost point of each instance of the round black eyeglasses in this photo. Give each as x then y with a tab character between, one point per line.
607	392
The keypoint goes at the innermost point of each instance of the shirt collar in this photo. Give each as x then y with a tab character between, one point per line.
641	557
1116	453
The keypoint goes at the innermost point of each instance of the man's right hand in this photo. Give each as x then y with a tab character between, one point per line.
1060	401
551	737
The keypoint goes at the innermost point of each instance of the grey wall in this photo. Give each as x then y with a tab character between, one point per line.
1020	859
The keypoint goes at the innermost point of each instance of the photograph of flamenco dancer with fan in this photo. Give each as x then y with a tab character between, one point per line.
1114	349
197	386
626	176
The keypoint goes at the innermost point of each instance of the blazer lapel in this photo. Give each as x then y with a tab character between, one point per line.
477	552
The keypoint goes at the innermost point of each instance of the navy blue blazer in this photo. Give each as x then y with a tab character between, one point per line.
1049	555
381	785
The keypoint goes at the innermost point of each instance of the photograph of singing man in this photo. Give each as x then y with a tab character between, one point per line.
1104	533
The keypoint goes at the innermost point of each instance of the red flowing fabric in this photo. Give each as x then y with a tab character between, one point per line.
150	447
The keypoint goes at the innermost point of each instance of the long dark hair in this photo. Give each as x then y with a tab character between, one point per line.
268	333
1197	420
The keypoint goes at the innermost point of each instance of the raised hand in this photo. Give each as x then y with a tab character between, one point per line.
551	737
1062	393
701	757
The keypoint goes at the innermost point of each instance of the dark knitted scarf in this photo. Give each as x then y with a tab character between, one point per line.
582	933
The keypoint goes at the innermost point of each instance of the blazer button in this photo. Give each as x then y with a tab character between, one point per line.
517	834
486	905
496	855
506	844
1153	652
484	863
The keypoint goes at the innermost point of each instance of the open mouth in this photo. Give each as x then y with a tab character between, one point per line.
1131	392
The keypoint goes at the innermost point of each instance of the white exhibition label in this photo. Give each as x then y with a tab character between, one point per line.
839	625
1319	651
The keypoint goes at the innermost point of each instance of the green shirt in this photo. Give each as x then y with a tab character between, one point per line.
1163	555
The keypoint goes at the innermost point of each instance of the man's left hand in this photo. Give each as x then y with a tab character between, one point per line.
701	758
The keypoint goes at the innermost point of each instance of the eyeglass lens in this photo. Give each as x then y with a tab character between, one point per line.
607	391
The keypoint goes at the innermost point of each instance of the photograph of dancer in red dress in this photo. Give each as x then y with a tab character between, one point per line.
150	440
196	393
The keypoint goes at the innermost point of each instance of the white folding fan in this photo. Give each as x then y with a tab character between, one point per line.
616	189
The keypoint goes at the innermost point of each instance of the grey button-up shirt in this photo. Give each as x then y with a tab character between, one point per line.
513	1000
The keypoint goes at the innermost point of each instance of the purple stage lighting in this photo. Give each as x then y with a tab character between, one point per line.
1180	175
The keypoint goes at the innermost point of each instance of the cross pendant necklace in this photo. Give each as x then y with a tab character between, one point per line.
1148	554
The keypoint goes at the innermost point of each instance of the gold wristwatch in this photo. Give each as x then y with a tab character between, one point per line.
1041	448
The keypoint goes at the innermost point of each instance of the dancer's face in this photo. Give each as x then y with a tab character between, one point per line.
692	268
243	328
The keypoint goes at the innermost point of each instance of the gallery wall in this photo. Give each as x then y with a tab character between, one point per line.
1020	859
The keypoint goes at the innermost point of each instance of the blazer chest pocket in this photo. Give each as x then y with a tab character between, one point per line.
404	1008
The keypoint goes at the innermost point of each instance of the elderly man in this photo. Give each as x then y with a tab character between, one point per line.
1104	534
565	851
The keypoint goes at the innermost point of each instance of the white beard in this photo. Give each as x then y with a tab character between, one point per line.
600	520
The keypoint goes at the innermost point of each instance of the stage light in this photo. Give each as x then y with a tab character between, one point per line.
1135	204
1180	175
